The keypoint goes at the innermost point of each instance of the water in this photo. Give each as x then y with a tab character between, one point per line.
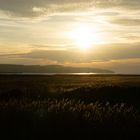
57	74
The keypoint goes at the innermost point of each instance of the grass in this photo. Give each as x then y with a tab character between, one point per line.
35	106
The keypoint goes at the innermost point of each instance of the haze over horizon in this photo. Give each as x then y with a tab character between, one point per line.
101	34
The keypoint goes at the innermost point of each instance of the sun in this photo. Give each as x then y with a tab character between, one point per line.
84	37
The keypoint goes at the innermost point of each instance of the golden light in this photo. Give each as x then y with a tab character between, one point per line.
84	36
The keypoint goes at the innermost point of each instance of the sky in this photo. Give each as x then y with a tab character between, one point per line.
82	33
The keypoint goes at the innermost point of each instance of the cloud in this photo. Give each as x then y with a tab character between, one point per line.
126	22
127	66
50	47
57	55
131	37
100	53
33	8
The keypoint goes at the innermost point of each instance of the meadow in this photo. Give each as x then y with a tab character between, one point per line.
89	105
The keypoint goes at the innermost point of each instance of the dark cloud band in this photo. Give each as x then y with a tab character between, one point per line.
32	8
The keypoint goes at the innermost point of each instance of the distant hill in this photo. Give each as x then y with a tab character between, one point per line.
9	68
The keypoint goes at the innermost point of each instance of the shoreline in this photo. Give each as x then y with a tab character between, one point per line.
66	74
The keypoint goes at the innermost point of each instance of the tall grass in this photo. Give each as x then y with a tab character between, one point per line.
93	114
32	105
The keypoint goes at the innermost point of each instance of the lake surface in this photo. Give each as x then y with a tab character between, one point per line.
57	74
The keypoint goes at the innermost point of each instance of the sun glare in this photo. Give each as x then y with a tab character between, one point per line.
84	37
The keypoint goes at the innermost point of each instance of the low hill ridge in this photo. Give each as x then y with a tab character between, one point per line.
9	68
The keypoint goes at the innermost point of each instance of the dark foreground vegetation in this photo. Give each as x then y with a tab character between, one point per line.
32	107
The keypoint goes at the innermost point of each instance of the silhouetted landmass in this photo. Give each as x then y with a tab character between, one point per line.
6	68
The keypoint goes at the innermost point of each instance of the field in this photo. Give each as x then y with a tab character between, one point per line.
32	107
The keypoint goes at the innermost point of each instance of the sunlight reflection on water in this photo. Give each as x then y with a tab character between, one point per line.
56	73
